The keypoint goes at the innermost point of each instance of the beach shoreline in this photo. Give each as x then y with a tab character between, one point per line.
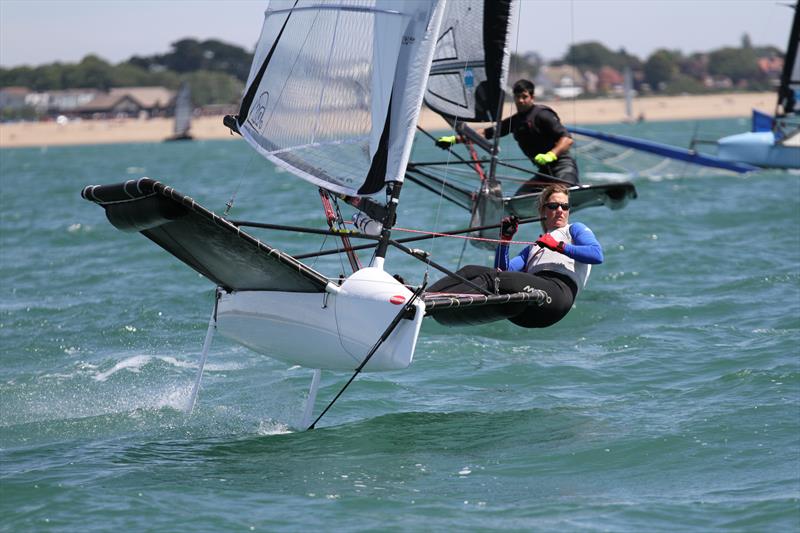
600	111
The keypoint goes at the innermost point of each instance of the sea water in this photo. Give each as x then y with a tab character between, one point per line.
668	399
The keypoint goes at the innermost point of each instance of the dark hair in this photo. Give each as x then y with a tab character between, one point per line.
524	85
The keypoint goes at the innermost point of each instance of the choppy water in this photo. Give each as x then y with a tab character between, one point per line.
668	399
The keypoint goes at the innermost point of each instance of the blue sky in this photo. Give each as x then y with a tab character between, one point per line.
36	32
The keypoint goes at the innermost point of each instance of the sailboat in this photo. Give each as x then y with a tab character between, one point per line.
333	97
466	85
774	141
183	114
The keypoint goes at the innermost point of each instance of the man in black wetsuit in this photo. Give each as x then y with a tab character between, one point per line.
539	133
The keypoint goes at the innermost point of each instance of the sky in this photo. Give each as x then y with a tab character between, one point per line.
37	32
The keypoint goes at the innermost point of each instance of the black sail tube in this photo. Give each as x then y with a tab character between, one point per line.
388	221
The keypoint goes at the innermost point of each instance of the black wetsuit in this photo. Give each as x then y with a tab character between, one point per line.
537	131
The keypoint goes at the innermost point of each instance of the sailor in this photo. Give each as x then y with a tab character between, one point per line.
559	264
539	133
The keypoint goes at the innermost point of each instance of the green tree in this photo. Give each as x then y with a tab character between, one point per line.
735	63
91	73
47	78
660	68
589	55
214	88
130	75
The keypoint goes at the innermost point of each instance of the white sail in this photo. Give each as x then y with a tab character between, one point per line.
470	65
183	111
335	88
627	93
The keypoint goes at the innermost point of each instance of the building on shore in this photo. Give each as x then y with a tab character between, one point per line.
119	102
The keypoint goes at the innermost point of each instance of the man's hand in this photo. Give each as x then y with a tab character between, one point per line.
545	159
547	241
446	142
508	227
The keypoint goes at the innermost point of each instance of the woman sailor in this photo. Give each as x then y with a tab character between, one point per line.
558	263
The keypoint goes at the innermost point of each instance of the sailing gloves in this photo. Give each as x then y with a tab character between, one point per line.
545	159
508	228
446	142
547	241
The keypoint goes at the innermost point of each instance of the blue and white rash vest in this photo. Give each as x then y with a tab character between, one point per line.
581	250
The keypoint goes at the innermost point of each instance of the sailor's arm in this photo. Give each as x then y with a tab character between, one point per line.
562	146
585	246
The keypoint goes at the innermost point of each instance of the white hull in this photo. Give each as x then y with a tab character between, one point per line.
759	148
332	331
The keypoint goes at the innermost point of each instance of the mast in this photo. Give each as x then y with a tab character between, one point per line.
790	77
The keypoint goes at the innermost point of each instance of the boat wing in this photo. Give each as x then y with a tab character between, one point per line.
474	309
208	243
623	152
611	195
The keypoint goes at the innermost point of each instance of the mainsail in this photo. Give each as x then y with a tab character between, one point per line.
336	86
470	66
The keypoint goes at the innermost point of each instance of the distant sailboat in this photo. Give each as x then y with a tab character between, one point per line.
628	93
773	142
183	114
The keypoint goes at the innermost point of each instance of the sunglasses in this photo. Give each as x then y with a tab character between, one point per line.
555	205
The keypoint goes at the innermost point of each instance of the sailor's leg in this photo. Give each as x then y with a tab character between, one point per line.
565	170
560	297
481	276
312	396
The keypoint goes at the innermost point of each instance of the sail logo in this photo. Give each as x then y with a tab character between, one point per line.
256	119
397	299
409	39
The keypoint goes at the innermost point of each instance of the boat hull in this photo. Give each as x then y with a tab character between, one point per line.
333	331
758	148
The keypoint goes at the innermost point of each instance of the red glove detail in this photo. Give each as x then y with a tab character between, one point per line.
508	227
547	241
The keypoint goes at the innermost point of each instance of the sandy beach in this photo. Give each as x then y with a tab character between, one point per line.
571	112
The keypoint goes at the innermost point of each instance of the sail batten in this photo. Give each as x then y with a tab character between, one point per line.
333	91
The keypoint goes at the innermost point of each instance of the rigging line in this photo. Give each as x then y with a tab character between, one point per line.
334	216
461	255
454	129
246	170
574	98
385	335
516	41
465	237
423	237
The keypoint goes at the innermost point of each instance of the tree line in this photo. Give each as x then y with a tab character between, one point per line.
217	71
670	71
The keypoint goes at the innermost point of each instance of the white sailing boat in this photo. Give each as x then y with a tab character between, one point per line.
183	114
774	141
333	97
